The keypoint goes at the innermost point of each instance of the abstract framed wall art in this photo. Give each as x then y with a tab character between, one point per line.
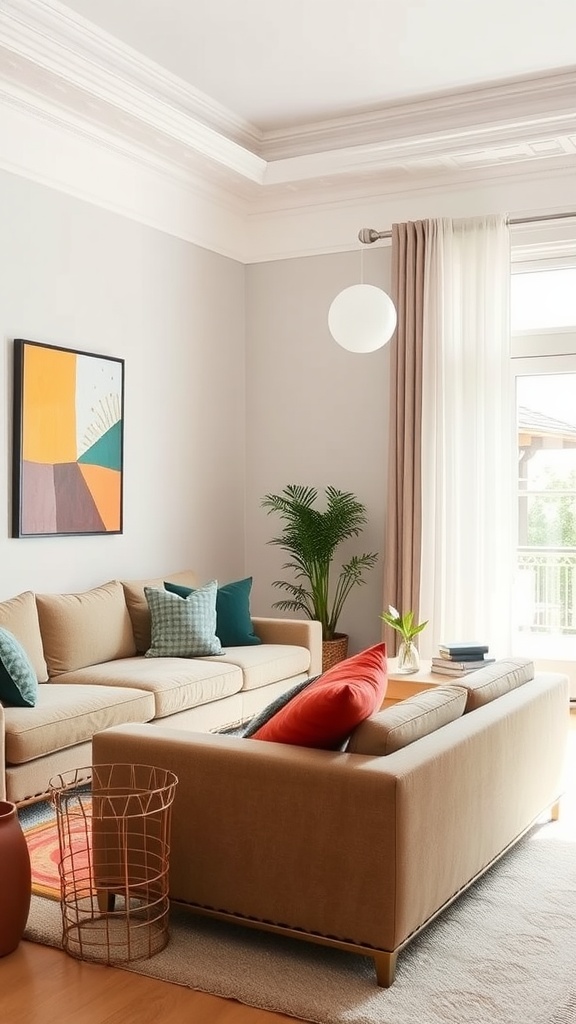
68	442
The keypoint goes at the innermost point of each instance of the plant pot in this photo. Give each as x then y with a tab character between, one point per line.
334	650
15	879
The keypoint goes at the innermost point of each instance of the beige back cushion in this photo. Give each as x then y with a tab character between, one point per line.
488	683
408	720
138	605
85	629
19	616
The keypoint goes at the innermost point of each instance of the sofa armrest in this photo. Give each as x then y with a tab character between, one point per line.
247	833
359	848
301	632
2	757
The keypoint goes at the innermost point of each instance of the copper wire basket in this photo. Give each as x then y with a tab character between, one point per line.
114	839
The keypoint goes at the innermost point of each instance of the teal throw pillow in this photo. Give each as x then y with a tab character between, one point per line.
18	681
233	622
183	628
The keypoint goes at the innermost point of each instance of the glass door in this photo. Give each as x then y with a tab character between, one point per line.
544	608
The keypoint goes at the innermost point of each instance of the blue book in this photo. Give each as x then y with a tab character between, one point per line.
463	648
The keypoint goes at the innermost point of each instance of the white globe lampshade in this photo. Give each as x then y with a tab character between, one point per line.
362	318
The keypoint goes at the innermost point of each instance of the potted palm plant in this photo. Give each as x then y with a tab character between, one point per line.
310	537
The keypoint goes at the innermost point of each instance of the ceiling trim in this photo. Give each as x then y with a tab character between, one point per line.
166	154
538	100
49	50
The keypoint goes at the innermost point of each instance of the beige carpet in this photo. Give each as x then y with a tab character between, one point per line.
505	953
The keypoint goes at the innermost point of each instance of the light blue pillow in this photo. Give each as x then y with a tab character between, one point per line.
183	627
18	681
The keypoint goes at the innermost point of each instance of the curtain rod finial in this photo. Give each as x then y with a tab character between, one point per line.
368	235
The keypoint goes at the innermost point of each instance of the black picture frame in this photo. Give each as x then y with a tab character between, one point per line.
68	442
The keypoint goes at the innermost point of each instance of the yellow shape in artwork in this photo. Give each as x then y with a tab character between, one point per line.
104	486
49	414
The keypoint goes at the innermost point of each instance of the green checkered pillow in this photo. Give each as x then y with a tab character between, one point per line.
183	627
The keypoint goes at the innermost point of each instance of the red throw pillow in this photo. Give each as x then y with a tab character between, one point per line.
325	713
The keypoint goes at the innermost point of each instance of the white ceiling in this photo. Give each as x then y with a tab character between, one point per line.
286	62
281	104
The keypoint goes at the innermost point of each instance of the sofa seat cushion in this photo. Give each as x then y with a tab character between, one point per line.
67	715
19	615
407	721
265	664
504	675
85	629
176	683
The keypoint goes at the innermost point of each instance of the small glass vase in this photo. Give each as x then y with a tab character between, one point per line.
408	657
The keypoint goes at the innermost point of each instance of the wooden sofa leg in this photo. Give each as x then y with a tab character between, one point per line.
555	811
385	968
106	901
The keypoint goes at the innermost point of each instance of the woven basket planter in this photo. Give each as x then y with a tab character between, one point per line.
334	650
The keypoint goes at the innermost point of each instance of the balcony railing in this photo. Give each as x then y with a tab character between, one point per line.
547	590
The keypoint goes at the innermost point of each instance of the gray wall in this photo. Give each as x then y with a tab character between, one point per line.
75	275
316	414
234	387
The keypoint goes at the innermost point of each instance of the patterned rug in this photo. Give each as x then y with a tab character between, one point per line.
40	829
504	953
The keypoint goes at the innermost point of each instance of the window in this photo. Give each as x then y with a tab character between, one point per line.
544	368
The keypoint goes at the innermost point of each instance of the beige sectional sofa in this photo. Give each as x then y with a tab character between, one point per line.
360	849
87	651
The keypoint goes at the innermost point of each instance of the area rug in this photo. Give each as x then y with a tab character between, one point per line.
41	832
504	953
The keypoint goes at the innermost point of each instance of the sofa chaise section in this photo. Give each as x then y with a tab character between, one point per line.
355	850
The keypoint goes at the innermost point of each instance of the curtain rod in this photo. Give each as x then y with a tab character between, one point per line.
369	235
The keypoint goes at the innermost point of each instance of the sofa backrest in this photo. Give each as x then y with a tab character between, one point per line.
19	615
494	680
85	629
408	720
138	606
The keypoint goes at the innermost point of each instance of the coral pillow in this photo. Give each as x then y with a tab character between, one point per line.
325	713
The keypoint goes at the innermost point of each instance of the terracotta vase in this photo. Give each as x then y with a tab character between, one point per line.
15	879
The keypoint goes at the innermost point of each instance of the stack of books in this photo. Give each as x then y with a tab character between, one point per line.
458	659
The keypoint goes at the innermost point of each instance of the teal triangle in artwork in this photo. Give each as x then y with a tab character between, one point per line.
106	451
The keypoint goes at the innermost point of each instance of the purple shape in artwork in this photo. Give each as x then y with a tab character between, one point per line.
76	511
38	499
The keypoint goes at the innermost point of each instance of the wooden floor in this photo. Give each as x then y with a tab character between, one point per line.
41	985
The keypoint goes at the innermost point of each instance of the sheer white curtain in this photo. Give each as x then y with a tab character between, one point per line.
468	471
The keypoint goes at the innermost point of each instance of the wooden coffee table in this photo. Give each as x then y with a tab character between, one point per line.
401	685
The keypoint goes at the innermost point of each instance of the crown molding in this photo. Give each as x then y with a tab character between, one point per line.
50	50
541	100
333	226
71	52
160	146
121	178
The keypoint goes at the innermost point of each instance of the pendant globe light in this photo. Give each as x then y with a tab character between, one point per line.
362	318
